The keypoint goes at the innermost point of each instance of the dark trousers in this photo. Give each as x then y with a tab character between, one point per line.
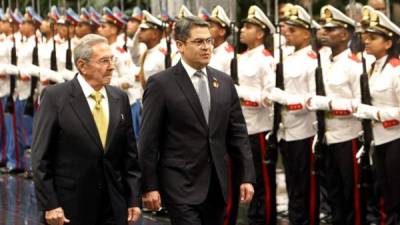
105	214
262	209
387	163
342	179
210	212
232	207
296	156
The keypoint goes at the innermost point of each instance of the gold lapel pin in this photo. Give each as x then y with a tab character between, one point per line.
215	83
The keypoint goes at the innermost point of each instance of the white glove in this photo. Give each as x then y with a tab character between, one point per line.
68	74
31	70
239	91
278	95
48	74
392	113
367	112
318	102
24	72
9	69
342	104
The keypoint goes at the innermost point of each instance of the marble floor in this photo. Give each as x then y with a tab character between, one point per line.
18	204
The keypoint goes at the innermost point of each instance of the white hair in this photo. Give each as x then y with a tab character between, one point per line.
83	50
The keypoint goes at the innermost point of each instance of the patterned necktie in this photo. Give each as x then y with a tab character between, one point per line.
100	117
203	93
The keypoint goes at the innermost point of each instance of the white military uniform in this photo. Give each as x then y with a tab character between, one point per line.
254	69
24	56
384	85
5	58
221	57
61	51
342	85
154	61
125	72
299	82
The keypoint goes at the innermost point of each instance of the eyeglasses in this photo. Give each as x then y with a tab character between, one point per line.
202	41
105	61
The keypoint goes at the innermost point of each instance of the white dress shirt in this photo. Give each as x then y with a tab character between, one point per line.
88	90
195	79
384	85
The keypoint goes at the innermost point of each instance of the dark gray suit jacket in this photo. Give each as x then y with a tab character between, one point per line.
178	149
71	168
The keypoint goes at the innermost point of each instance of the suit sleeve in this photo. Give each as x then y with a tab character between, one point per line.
132	171
151	131
45	129
237	140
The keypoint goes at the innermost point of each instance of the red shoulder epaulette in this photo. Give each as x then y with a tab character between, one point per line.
58	42
395	62
312	55
267	53
163	50
122	50
229	48
354	57
1	39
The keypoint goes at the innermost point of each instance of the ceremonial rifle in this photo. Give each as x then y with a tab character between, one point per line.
279	83
13	77
271	153
319	142
365	170
234	63
29	106
167	59
68	61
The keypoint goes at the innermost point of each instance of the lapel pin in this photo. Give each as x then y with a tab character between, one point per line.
215	82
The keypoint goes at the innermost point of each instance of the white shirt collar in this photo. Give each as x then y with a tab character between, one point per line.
220	47
340	55
381	61
304	50
190	70
87	89
155	48
259	48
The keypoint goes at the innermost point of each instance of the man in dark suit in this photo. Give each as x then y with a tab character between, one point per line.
192	120
85	160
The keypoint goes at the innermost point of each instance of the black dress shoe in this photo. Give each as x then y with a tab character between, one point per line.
14	171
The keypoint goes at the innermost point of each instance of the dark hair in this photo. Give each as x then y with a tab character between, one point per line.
393	51
184	26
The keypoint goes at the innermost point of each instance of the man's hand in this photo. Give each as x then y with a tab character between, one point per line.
246	192
133	214
56	217
152	200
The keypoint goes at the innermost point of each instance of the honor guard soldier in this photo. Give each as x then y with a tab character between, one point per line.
341	74
204	14
296	132
8	140
255	67
153	59
135	47
381	40
183	13
220	31
20	126
125	71
151	34
121	36
73	18
85	24
66	29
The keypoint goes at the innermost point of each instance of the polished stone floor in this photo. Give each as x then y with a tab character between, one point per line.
18	204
